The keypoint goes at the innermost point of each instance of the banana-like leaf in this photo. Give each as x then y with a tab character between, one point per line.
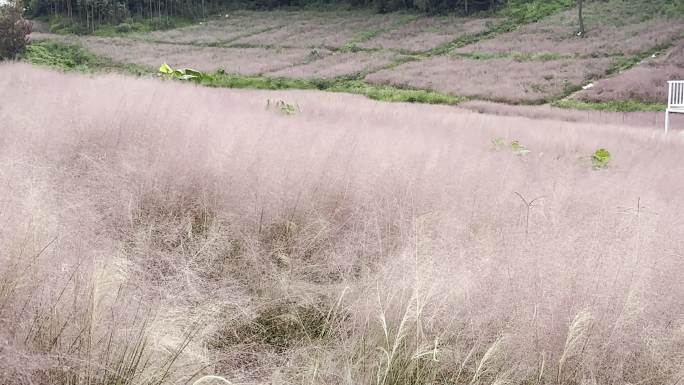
165	69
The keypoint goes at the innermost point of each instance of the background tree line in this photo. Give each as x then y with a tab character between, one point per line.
95	12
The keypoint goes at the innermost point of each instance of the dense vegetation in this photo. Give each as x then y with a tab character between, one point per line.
153	233
89	14
13	31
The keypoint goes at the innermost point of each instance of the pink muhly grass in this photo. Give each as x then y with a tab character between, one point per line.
339	64
505	80
352	242
645	82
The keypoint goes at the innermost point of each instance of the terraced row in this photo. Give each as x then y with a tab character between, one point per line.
532	64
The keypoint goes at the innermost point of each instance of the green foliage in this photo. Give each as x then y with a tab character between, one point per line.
518	149
350	47
540	56
14	31
600	159
393	94
613	105
73	57
225	80
65	26
184	74
498	143
515	146
58	55
526	11
354	86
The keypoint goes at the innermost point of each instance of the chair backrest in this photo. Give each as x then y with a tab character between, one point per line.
675	94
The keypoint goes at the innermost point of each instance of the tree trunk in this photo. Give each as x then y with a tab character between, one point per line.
581	31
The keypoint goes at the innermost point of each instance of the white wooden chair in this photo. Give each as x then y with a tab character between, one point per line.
675	100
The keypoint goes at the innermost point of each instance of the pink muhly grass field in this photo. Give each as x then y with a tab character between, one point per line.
209	233
607	34
247	61
225	29
540	112
494	79
645	82
323	31
426	33
339	64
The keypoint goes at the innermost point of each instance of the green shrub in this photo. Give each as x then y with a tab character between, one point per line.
124	28
600	159
612	105
57	55
14	31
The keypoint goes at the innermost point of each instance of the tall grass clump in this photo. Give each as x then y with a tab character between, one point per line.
159	233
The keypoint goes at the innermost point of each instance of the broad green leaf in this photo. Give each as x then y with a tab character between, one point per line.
165	69
600	158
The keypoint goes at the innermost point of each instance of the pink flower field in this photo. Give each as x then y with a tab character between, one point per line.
645	82
223	29
426	33
494	79
339	64
246	61
606	35
156	232
320	31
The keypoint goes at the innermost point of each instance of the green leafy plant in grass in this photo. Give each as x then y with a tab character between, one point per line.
350	48
518	149
282	107
498	143
188	74
600	159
